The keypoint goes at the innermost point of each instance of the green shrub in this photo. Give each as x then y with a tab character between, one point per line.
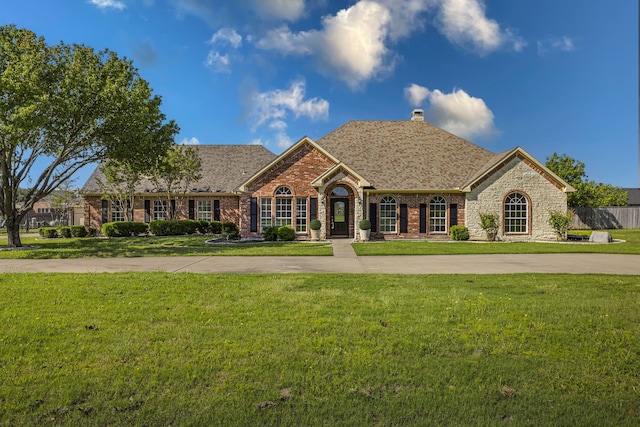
215	227
65	232
203	227
364	224
92	232
286	233
560	222
177	227
78	231
230	230
270	233
490	223
48	232
315	224
124	228
458	232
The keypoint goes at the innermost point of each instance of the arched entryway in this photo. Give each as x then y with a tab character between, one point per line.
341	202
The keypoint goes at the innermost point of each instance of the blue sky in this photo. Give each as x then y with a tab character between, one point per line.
546	75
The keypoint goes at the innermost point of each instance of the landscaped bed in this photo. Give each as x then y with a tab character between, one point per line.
630	245
344	350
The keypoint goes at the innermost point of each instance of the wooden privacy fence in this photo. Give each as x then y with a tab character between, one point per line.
606	218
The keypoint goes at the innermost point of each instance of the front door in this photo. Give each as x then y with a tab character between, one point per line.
340	217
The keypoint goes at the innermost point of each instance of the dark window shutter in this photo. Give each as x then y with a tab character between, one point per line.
147	211
173	210
453	214
105	211
192	209
313	208
423	217
404	215
373	217
216	210
254	214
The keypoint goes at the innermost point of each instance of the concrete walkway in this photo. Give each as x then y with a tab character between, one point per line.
344	260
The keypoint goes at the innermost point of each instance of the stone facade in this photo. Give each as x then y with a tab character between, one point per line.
518	175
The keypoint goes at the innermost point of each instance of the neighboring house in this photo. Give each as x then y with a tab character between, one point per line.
409	178
634	196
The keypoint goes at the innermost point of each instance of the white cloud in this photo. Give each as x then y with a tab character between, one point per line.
190	141
104	4
290	10
407	16
203	9
562	44
275	106
351	45
416	94
464	23
456	112
225	37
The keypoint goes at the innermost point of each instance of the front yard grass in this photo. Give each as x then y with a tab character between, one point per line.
157	246
344	350
395	247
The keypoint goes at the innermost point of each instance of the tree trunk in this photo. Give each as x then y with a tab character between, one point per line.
13	232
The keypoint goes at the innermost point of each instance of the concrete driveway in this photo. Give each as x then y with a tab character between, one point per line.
343	261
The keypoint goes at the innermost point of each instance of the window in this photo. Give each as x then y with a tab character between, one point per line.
204	210
265	212
438	215
283	211
117	213
159	209
340	191
283	191
301	215
283	207
388	215
515	213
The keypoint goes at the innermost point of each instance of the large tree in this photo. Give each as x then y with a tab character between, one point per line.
588	193
68	106
173	175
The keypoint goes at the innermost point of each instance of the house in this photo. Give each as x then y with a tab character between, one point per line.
409	178
634	196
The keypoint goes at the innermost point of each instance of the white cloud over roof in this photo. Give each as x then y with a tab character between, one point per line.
456	112
350	46
464	23
104	4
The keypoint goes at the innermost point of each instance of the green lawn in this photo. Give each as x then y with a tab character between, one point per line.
346	350
157	246
395	247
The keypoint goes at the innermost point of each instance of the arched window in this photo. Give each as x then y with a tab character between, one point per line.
284	206
516	214
438	215
284	191
388	214
340	192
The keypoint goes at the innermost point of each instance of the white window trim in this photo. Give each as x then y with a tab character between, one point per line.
390	222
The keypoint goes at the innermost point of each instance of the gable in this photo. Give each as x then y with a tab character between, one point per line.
299	165
499	161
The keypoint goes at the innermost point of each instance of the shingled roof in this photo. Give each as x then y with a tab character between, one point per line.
406	155
224	168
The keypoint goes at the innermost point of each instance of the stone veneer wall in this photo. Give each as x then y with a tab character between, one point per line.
517	175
